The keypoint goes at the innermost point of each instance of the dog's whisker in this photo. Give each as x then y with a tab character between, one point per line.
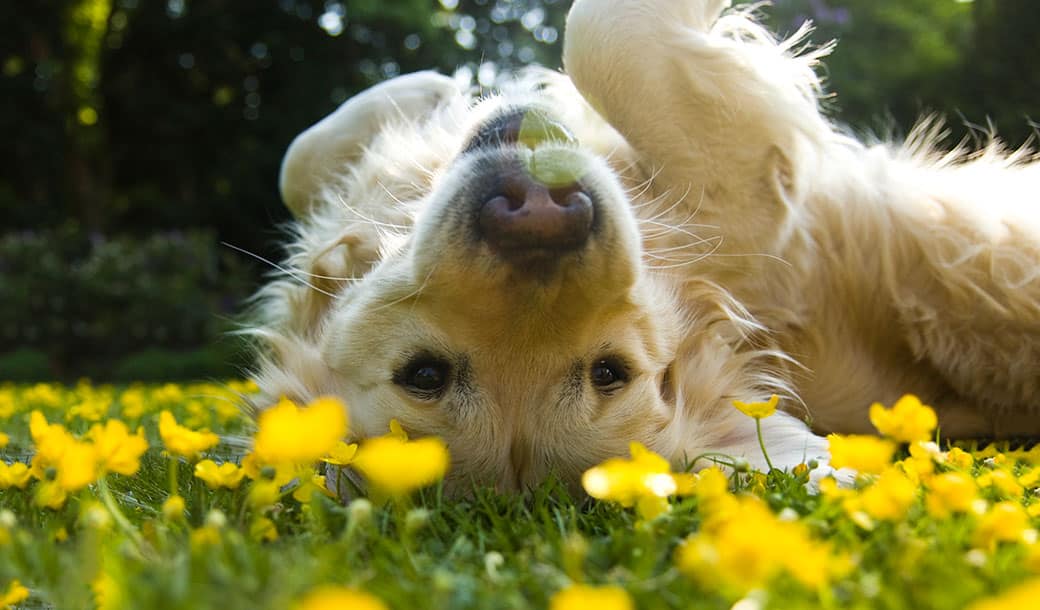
291	273
372	221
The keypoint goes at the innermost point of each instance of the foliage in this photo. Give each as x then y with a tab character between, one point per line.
89	303
183	534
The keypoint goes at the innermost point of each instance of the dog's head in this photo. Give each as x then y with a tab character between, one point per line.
500	300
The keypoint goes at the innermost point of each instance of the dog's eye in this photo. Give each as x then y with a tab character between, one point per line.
608	374
424	377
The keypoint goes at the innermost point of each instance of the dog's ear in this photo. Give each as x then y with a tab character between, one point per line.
341	137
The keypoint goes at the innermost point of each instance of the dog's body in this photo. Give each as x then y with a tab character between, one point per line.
712	237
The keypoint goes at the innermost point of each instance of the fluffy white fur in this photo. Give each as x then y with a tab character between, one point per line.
752	248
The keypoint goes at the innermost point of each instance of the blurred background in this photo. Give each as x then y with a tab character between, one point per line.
143	134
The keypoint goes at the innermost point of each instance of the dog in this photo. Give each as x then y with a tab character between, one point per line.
617	253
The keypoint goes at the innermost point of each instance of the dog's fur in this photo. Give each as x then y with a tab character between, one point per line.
745	247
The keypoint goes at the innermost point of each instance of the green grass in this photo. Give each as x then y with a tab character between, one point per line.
483	551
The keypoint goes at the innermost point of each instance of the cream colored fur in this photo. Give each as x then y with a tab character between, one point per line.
750	248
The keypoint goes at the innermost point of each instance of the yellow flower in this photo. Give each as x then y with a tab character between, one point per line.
1005	522
310	483
263	493
744	546
1021	597
907	421
959	459
226	475
117	450
49	494
758	410
77	466
950	492
890	497
182	441
288	434
397	466
1003	481
14	475
205	536
588	597
173	508
263	529
50	441
107	594
15	593
341	455
4	439
644	481
338	598
864	454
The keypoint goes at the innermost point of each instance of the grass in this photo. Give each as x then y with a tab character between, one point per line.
484	551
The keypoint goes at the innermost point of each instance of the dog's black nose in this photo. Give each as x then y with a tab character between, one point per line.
524	216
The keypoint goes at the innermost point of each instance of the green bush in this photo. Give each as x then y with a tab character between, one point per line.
86	301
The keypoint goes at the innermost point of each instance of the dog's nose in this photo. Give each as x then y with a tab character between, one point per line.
525	215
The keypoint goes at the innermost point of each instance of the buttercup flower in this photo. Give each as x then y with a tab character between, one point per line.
117	450
263	529
263	493
907	421
1021	597
182	441
745	546
758	410
587	597
1002	481
338	598
173	508
77	466
50	441
644	480
14	475
890	497
865	454
959	458
1005	522
397	466
288	434
15	593
49	494
227	475
310	482
342	454
950	492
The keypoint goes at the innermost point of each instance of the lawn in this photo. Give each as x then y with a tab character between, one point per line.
158	514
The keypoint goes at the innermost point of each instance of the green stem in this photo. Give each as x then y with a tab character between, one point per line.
172	475
762	443
118	516
713	456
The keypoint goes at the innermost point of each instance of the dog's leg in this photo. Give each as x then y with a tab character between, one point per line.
712	102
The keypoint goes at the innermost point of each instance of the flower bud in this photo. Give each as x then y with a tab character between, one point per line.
415	520
173	509
360	512
215	519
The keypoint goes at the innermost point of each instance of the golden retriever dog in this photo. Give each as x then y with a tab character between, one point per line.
542	275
